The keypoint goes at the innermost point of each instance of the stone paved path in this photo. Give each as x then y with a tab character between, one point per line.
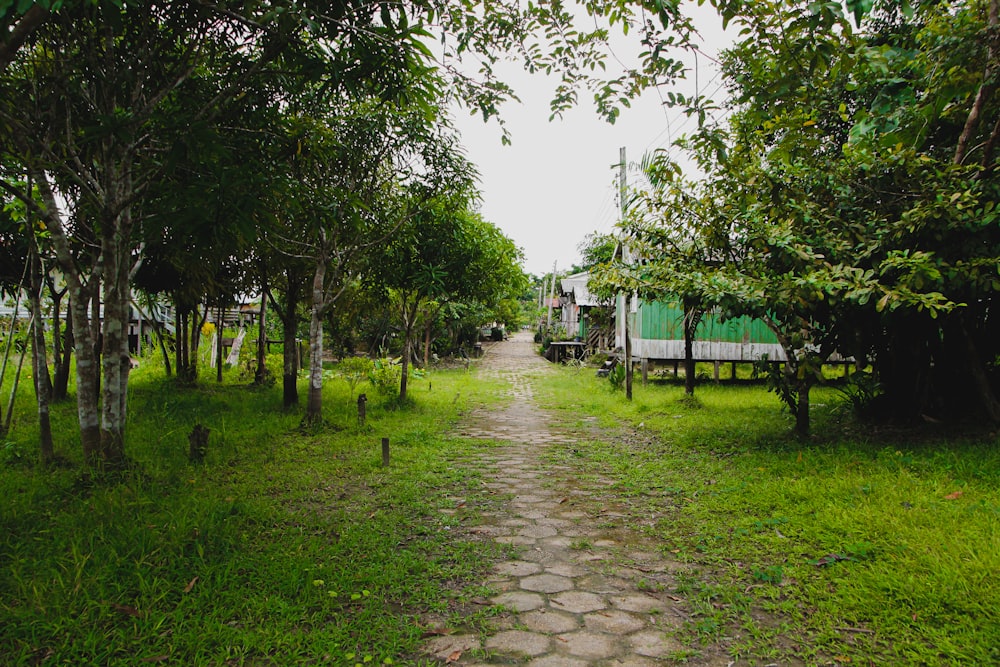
580	594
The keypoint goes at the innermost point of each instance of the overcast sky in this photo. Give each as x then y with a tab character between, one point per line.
557	182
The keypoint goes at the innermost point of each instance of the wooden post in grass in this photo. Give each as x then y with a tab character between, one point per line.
198	439
385	452
362	403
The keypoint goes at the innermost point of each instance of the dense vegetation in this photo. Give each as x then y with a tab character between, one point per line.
848	198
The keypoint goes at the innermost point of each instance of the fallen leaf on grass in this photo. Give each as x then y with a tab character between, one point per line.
187	589
125	609
563	500
953	496
674	598
454	657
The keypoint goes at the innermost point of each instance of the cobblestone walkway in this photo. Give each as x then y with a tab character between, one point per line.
579	597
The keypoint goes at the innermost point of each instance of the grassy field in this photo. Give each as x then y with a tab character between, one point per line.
860	546
289	546
284	547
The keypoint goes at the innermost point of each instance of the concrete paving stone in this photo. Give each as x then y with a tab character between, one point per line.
557	541
605	585
517	522
638	603
546	583
549	621
538	555
534	514
517	568
503	585
555	523
590	645
519	600
567	570
574	531
604	544
613	622
557	661
443	647
578	602
654	644
538	531
519	642
515	539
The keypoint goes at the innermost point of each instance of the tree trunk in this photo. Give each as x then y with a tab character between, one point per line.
691	319
219	347
314	402
180	338
5	428
408	321
260	373
115	360
427	343
80	295
158	332
43	386
289	320
39	360
61	345
802	387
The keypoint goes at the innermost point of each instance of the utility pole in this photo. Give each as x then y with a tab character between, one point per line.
552	289
627	314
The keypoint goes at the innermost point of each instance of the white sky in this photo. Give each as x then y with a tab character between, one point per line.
558	181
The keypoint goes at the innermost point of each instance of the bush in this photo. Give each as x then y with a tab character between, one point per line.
384	377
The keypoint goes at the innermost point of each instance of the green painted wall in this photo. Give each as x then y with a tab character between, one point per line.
664	321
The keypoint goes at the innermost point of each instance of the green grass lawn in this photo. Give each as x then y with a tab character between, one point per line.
284	547
290	546
862	545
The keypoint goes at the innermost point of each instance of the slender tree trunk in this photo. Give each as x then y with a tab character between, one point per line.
314	404
158	332
802	386
39	360
60	345
409	317
219	347
5	428
986	89
180	344
116	360
260	373
290	357
427	343
61	383
287	313
691	319
10	340
80	295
